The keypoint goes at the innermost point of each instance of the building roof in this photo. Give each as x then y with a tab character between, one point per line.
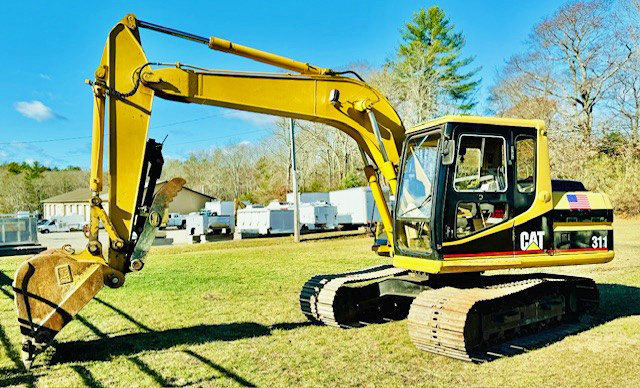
160	183
83	194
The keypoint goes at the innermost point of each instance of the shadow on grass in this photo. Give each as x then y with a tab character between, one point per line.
6	281
104	349
123	314
87	377
26	379
168	382
615	302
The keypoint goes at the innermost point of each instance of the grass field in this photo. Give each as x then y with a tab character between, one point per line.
226	314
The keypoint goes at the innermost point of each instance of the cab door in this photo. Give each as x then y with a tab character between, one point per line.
479	193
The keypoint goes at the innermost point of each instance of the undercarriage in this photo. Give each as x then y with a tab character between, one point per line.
470	317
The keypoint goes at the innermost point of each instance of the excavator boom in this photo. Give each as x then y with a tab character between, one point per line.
53	286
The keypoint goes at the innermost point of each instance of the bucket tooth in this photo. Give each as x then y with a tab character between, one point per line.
50	289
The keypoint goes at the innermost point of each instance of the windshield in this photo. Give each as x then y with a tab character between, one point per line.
414	199
413	213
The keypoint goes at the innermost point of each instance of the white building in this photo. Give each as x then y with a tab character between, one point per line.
77	202
71	203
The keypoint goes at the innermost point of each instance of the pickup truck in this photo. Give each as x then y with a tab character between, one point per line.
177	220
59	225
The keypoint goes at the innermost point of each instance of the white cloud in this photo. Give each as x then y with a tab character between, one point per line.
30	161
256	119
45	77
3	154
35	110
245	143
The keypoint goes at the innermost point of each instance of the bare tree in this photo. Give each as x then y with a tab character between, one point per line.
625	96
573	56
510	97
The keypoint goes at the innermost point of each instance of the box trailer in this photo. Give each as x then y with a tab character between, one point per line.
276	218
318	216
355	206
309	197
207	222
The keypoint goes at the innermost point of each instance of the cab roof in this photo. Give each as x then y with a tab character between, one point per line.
538	124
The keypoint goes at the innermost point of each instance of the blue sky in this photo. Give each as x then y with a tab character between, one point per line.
49	50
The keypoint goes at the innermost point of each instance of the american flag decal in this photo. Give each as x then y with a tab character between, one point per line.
578	201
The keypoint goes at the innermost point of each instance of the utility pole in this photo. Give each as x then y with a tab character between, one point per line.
294	178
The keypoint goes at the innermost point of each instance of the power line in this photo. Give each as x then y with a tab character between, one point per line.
189	121
44	141
89	136
219	137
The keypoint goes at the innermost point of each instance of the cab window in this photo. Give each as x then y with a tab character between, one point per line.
525	164
480	164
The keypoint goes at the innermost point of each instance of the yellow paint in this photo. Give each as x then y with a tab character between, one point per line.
494	263
477	120
596	200
581	226
264	57
97	140
533	247
303	97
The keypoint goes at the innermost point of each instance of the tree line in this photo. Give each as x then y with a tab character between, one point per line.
25	185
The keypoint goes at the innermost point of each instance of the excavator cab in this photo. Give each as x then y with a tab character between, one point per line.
476	193
459	179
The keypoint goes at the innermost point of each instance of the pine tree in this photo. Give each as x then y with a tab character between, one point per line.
429	67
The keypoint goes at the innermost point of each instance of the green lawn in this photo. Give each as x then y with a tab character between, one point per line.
226	314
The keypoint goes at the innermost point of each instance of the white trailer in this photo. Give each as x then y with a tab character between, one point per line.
207	222
221	208
318	216
356	206
277	218
309	197
274	219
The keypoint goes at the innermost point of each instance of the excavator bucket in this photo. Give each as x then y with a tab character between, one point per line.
50	288
53	286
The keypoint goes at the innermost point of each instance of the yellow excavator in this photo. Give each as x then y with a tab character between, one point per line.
472	194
